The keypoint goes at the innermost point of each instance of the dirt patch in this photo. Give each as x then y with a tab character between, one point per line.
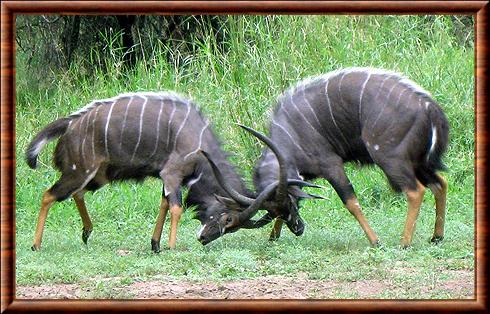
460	285
270	287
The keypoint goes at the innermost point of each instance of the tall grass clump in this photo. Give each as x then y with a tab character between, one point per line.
237	81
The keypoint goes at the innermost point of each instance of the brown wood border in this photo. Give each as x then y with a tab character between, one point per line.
9	9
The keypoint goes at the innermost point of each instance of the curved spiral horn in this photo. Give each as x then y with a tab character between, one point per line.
235	195
254	207
265	195
242	199
282	187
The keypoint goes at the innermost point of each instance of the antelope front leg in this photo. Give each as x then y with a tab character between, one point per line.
414	198
82	209
172	179
335	174
355	209
157	233
46	203
276	230
440	192
175	213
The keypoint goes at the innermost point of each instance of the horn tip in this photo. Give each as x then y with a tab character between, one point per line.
244	126
321	197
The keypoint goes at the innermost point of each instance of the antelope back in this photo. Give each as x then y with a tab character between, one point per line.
141	129
354	114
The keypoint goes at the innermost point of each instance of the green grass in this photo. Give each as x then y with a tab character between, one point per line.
265	56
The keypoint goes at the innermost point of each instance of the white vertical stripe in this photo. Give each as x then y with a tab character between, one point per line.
200	141
331	112
158	129
309	106
80	130
302	115
107	128
385	104
400	97
286	113
181	126
85	134
170	121
381	86
362	93
140	128
93	135
286	131
123	126
340	83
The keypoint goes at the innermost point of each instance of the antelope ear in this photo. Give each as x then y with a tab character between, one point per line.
228	202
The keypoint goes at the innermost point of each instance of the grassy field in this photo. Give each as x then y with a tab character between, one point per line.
265	56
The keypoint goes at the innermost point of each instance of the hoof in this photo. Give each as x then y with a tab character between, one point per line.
35	248
436	239
86	235
376	244
273	237
155	246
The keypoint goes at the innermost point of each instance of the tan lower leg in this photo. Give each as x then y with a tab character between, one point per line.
276	230
414	198
46	203
175	213
355	209
157	233
440	192
82	209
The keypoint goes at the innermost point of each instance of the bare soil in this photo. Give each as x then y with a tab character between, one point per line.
459	286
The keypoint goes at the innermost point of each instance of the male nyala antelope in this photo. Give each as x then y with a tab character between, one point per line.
366	115
132	136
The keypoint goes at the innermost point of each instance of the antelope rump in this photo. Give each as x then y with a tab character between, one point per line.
364	115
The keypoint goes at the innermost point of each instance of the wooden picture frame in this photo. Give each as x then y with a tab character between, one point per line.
9	304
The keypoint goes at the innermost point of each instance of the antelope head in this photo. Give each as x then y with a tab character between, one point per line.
234	212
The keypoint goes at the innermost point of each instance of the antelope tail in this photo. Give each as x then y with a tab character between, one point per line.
438	138
52	131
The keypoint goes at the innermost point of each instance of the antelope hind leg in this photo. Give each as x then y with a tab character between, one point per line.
46	203
61	190
414	198
440	193
82	209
